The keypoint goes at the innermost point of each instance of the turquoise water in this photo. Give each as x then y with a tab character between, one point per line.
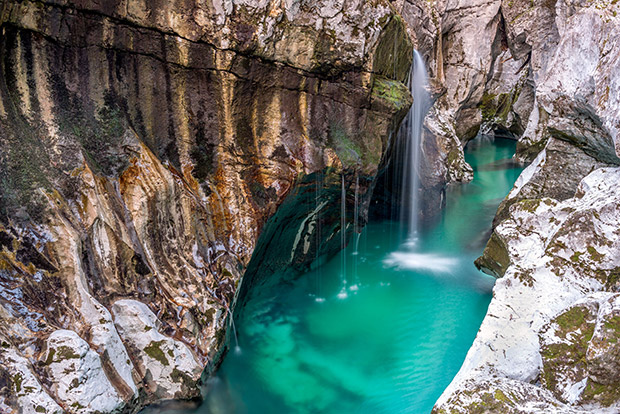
389	342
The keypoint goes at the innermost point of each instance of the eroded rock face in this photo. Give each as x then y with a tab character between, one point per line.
76	375
168	366
558	253
555	244
145	148
580	352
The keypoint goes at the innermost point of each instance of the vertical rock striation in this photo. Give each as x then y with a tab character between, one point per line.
145	148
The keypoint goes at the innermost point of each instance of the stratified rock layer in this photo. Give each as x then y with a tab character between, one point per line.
143	150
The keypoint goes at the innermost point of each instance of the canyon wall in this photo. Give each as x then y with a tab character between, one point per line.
147	149
144	149
549	340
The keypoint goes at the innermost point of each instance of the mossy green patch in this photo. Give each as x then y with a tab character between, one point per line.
603	394
573	319
594	254
50	357
220	336
575	328
500	396
347	149
612	325
495	258
154	351
575	257
183	378
394	52
529	205
393	93
64	352
496	402
17	382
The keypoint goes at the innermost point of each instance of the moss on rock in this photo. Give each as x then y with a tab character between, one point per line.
564	357
394	53
154	351
495	258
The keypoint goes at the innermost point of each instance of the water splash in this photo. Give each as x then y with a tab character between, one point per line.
431	262
357	230
411	133
317	231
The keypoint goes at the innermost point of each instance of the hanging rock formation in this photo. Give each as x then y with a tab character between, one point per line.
143	150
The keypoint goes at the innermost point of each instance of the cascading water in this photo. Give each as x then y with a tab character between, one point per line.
410	134
234	329
317	233
343	240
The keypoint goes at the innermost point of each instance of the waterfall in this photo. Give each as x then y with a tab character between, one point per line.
410	134
343	241
234	329
357	232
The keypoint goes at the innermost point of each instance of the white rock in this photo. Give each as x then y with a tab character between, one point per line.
30	396
582	234
76	374
167	364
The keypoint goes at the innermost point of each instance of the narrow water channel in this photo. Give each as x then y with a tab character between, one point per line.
398	336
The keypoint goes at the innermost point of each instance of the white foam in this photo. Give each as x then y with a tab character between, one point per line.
421	261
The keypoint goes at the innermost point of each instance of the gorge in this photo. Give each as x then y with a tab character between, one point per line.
164	164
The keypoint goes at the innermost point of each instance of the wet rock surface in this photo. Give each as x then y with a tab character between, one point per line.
146	152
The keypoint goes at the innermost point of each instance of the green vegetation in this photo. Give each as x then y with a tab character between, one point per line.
604	394
572	320
394	52
495	258
594	254
17	382
575	328
100	135
154	351
64	352
393	92
346	148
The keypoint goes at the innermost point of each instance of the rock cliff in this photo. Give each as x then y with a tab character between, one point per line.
145	147
148	149
548	341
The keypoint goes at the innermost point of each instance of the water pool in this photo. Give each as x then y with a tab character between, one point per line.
393	337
